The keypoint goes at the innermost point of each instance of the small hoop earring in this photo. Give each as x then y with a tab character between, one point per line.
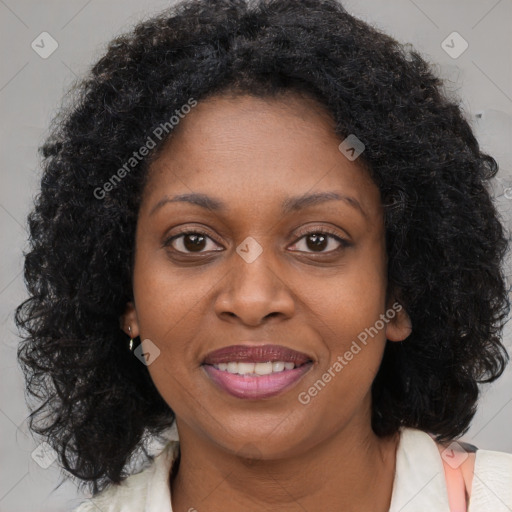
131	339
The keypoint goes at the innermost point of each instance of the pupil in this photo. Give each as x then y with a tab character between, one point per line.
319	241
197	242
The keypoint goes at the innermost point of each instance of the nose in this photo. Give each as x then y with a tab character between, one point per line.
253	292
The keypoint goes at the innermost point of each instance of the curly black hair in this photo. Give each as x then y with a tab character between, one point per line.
445	241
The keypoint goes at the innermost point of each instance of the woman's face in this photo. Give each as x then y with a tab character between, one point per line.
257	270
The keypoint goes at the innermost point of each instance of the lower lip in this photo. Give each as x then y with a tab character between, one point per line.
244	386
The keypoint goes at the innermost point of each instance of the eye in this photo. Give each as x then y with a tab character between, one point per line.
189	242
319	239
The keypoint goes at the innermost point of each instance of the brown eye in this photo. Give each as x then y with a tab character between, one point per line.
319	240
189	242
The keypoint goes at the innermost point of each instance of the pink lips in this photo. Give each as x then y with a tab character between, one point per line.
255	387
245	386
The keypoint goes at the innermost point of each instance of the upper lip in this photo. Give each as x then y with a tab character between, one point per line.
256	354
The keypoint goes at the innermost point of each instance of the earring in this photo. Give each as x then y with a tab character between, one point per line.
131	339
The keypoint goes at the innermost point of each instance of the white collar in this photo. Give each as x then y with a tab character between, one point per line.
420	484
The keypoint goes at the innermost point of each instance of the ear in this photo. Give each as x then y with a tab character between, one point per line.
129	319
399	325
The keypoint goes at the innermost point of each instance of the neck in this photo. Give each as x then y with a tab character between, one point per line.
351	471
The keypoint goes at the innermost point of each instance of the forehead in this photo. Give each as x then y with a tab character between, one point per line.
249	149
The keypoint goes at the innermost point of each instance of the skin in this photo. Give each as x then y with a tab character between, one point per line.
250	455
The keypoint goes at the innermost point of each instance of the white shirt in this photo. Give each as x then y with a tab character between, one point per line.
419	484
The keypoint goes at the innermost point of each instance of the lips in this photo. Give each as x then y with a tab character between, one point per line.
256	354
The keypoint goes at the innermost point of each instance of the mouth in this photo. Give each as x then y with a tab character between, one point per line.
256	372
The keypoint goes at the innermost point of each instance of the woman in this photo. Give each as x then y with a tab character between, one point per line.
264	235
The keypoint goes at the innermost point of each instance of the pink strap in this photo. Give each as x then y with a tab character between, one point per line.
458	479
456	488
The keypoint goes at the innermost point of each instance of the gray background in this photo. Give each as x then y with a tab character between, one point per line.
31	89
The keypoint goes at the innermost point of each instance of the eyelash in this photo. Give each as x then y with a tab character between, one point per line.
322	231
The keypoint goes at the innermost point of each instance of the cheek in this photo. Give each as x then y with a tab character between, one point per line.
347	313
355	304
168	306
350	300
167	298
167	312
354	338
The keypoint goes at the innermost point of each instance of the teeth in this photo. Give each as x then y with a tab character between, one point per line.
255	369
278	366
244	368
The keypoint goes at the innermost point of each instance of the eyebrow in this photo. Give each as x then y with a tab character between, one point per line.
290	204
